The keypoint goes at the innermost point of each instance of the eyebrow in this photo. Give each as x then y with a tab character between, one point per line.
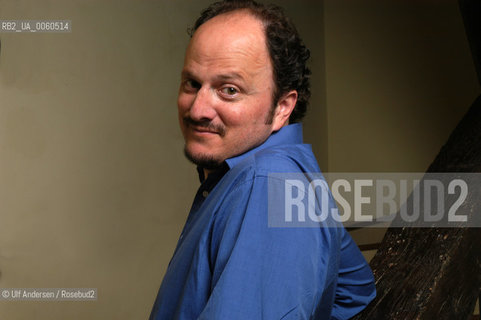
186	74
229	76
220	77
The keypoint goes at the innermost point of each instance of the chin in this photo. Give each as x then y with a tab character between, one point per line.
204	160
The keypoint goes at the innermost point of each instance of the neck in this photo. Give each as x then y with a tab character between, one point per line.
207	172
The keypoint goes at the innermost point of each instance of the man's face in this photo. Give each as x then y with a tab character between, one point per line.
225	96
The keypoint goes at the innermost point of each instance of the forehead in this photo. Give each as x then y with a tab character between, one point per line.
232	38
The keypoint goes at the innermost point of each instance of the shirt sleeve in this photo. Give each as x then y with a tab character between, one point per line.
260	272
355	285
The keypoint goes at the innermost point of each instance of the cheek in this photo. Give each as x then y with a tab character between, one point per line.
245	113
183	102
233	116
182	108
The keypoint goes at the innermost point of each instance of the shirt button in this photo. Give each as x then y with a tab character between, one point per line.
205	193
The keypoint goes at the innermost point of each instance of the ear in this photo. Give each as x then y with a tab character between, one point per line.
283	110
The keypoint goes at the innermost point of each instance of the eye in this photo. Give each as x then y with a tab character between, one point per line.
191	85
230	91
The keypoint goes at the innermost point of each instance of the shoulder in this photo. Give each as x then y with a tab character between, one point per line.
279	159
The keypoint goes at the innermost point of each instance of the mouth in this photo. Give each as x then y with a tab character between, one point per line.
202	130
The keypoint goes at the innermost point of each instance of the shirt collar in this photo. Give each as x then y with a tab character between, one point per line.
217	174
290	134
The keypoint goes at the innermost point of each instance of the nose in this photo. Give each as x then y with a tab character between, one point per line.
202	108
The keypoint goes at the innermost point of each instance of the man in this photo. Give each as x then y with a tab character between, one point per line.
244	87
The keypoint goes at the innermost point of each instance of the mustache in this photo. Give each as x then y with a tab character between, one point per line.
207	124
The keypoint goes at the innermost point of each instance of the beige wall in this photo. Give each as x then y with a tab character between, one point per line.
94	188
399	77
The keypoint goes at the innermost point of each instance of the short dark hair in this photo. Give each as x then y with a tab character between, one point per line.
286	49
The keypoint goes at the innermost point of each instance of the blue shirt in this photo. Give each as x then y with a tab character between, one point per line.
229	264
